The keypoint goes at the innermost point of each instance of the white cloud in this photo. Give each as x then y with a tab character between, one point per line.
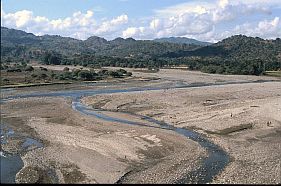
204	6
197	7
79	25
266	28
132	31
199	19
111	26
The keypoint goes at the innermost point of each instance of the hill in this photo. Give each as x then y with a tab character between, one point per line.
182	40
237	54
20	43
234	55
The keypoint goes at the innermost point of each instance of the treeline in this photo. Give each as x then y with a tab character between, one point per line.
23	73
217	65
92	61
225	66
91	75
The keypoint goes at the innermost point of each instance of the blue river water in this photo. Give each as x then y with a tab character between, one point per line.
11	163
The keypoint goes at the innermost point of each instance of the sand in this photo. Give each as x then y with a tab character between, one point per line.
102	151
244	119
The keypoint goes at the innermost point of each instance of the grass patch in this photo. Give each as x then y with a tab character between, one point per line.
273	73
233	129
33	84
99	104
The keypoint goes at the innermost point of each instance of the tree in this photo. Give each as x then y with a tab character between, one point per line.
51	59
85	75
43	69
42	76
29	69
114	74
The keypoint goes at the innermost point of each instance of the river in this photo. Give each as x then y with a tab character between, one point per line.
213	164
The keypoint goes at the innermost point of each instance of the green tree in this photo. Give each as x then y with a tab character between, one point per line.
29	69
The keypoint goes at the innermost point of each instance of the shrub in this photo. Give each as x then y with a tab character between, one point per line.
85	75
42	76
14	70
122	71
43	69
129	74
29	68
66	69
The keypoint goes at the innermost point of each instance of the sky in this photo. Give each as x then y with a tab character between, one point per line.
205	20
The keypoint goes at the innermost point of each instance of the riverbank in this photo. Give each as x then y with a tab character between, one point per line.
244	119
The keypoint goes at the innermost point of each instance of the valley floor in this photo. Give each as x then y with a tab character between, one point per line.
244	119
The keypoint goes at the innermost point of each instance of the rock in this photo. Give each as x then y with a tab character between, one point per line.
27	175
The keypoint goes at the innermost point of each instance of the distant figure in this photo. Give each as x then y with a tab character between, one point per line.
231	115
268	123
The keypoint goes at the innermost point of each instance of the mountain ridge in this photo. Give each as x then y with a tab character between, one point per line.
238	54
182	40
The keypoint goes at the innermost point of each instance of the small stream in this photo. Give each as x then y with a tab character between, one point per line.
11	163
213	164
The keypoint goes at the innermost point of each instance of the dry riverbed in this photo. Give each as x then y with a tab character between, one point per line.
81	149
244	119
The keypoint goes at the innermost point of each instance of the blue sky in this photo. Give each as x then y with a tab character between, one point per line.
208	20
104	8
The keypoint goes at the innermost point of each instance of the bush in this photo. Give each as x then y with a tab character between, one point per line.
75	72
66	69
53	75
129	74
42	76
61	77
122	71
29	68
85	75
14	70
113	74
43	69
103	72
68	75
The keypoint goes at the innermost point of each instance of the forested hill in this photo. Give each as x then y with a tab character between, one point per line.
19	43
237	47
234	55
182	40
